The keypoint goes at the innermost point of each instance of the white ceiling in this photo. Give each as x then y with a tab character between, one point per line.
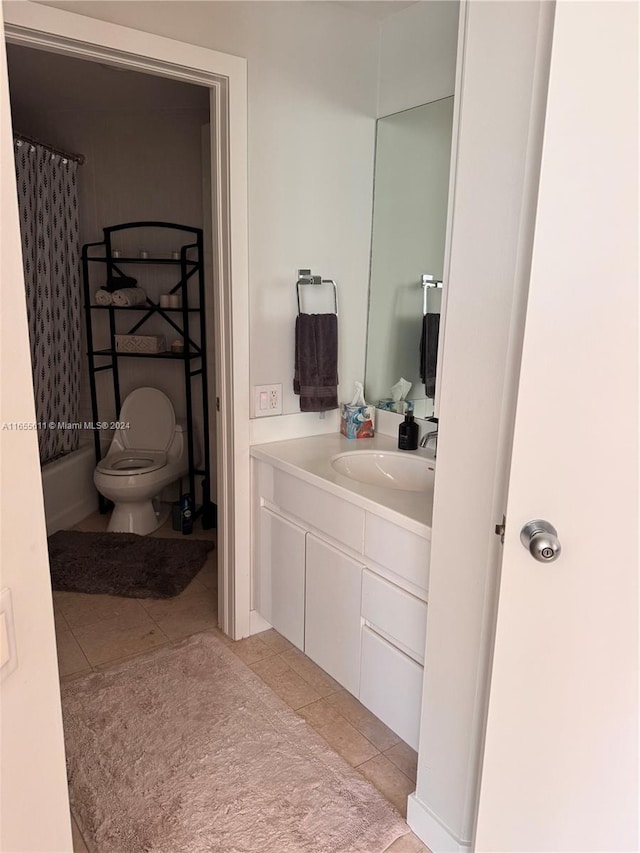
64	83
379	9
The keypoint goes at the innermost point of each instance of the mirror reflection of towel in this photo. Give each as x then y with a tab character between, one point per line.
316	362
429	352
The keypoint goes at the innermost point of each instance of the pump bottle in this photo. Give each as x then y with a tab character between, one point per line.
408	434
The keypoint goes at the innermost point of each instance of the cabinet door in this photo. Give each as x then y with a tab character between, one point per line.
332	628
281	576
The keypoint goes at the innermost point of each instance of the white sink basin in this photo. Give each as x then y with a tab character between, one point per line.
395	470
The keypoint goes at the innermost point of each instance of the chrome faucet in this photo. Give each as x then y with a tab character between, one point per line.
426	438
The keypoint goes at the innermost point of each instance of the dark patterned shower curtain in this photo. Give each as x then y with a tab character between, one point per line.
48	203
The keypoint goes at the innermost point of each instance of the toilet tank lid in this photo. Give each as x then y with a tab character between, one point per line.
151	419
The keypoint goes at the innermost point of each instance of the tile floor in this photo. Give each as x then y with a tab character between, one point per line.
95	631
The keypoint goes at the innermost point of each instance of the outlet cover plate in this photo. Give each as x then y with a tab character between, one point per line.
267	400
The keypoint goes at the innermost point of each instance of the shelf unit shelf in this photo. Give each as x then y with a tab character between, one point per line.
178	356
146	307
191	272
118	260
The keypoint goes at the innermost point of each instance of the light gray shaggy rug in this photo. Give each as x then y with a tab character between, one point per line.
185	750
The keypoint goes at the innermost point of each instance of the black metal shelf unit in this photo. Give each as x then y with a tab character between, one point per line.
190	266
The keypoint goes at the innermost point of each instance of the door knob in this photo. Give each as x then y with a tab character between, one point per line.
541	539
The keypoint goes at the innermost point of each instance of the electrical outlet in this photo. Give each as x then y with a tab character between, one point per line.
267	400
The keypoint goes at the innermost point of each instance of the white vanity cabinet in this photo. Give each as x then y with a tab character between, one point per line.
345	582
332	633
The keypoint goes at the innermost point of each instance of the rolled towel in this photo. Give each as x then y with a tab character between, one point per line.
103	297
129	296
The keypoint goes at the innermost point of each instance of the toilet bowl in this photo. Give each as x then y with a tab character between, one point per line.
146	454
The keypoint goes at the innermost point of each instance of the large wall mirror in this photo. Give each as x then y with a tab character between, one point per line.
413	151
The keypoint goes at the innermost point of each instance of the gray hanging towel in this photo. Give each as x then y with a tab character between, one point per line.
429	352
315	376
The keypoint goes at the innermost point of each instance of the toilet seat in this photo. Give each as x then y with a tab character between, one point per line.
131	462
150	420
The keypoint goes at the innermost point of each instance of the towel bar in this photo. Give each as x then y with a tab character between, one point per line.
427	282
305	277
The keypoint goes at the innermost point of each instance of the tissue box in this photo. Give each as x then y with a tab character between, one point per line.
356	421
401	407
147	344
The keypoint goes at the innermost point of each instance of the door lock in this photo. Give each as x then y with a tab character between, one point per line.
541	539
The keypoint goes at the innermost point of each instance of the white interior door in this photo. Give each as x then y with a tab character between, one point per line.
561	756
34	804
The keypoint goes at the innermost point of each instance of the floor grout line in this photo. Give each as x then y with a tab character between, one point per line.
339	714
391	762
344	719
394	763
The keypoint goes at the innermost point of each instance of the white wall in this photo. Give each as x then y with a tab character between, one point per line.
312	71
418	55
33	796
503	91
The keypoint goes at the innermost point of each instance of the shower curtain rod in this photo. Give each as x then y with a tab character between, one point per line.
67	155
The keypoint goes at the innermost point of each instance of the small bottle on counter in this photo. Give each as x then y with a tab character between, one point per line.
408	434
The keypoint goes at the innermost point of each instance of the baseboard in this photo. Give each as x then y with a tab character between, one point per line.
437	837
257	623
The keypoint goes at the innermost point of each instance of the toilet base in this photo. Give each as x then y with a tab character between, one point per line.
137	517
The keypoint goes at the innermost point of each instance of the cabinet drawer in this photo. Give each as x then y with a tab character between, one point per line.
403	552
395	612
339	519
391	686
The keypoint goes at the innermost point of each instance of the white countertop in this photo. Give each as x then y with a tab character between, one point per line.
310	459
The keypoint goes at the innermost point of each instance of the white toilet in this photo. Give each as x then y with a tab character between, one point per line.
142	459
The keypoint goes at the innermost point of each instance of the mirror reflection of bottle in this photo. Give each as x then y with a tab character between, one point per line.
408	433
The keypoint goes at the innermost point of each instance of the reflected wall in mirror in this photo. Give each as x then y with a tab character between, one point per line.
411	189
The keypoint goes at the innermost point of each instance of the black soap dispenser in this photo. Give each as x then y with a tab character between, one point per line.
408	434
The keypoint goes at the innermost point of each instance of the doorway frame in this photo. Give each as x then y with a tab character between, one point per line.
44	28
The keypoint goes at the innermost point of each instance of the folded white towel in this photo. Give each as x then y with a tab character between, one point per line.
103	297
129	296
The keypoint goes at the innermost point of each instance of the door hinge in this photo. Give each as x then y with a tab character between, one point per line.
217	404
500	529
